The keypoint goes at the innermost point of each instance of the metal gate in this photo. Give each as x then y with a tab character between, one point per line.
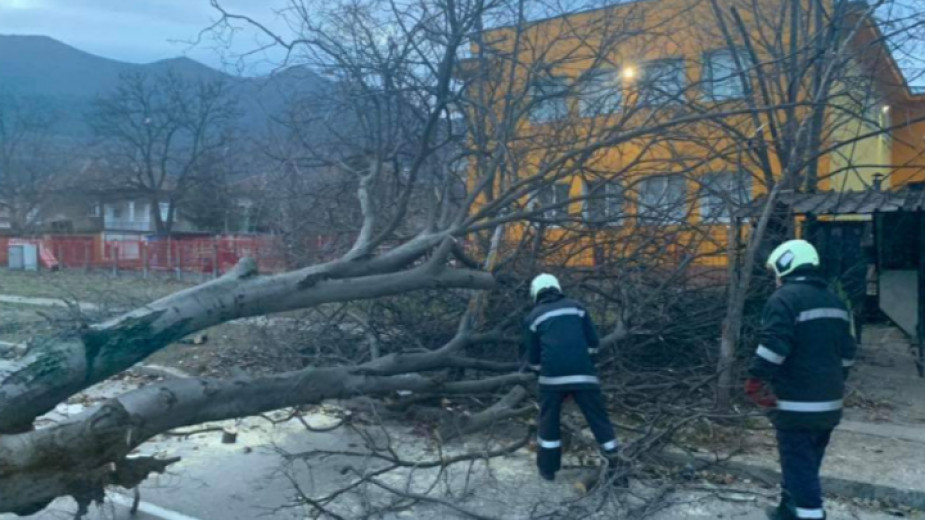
30	257
15	258
846	254
845	251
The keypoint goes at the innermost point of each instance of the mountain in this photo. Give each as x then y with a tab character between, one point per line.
68	80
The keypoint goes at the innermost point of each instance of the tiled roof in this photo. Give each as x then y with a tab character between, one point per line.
847	202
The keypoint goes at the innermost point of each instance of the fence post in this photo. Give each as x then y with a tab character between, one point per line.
179	262
144	260
87	246
115	261
214	258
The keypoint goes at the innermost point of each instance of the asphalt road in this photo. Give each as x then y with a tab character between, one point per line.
248	480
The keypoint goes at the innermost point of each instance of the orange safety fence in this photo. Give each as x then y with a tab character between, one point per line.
208	255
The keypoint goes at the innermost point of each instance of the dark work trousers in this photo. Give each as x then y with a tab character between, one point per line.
591	402
801	454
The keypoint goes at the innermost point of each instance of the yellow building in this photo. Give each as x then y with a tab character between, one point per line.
645	125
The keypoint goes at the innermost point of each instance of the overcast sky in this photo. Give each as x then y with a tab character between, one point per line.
138	31
142	31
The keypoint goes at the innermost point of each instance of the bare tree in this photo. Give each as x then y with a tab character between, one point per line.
161	135
830	79
537	171
30	158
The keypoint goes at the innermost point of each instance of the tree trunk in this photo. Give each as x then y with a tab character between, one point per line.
503	409
85	454
732	323
738	293
59	367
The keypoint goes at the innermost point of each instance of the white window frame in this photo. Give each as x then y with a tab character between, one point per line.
613	200
601	93
164	209
732	81
652	212
740	183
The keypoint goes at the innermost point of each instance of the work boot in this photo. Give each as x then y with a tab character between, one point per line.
784	513
548	476
778	513
617	469
781	512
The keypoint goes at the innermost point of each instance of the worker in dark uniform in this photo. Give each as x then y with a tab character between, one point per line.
805	351
560	340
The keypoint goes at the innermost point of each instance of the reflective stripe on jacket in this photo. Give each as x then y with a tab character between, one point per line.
561	339
805	349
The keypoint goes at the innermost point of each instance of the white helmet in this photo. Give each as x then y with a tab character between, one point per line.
791	255
543	282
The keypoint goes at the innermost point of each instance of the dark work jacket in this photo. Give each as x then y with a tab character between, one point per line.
560	339
806	349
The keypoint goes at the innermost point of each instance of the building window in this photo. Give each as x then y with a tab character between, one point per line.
601	93
548	100
722	192
721	76
662	82
605	203
722	79
663	200
164	208
62	226
554	196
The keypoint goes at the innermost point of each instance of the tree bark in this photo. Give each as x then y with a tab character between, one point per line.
732	323
59	367
503	409
78	458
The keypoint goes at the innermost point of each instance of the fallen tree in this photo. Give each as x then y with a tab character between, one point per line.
59	367
394	138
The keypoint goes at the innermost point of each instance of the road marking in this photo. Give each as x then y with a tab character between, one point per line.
149	508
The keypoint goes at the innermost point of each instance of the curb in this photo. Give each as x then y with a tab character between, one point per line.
837	486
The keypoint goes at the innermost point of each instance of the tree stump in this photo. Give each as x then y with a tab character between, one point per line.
588	480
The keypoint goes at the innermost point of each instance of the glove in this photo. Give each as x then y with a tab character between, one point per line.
758	393
532	369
